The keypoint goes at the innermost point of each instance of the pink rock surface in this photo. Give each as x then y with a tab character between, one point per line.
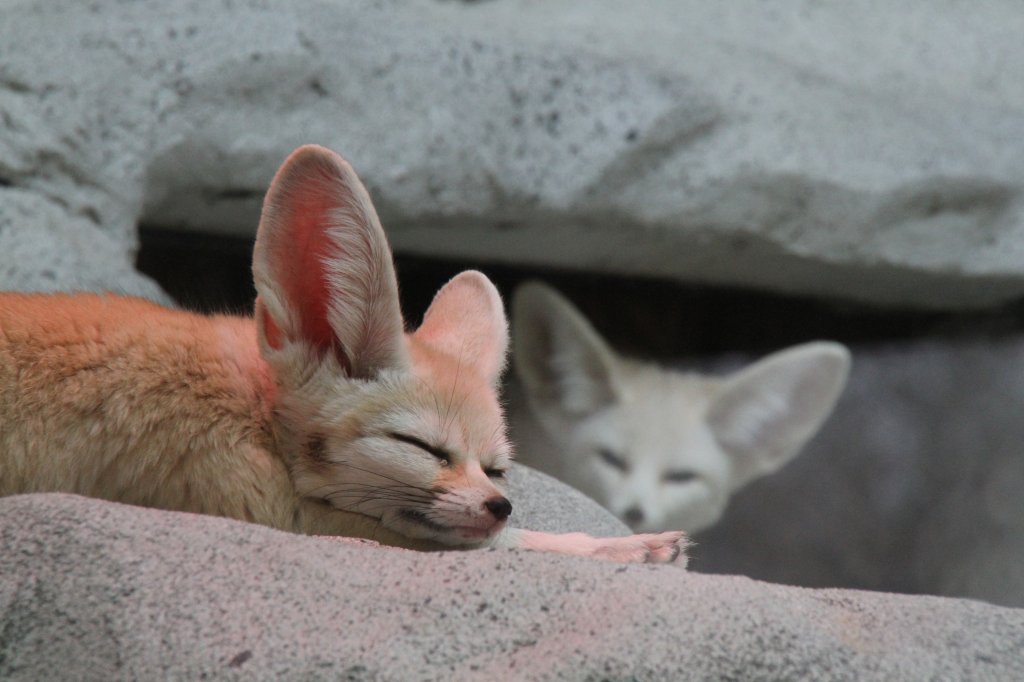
95	590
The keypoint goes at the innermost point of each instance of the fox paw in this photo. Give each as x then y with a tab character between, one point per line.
650	548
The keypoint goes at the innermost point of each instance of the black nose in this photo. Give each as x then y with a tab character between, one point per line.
500	507
633	516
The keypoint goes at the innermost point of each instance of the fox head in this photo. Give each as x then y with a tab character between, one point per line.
403	427
661	448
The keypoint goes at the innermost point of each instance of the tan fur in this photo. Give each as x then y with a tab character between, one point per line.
125	400
100	396
320	419
94	402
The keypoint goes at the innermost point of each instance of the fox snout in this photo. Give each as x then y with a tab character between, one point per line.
499	507
633	516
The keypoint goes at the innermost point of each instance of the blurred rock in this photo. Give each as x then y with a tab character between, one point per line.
872	152
913	485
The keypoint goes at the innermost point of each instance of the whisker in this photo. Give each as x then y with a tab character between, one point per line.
389	493
384	476
451	397
494	439
346	463
370	508
361	498
409	491
463	402
378	486
437	405
350	500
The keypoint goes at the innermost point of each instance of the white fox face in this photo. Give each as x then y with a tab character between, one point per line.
657	447
405	428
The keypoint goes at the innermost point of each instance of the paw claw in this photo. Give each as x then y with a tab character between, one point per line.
655	548
667	548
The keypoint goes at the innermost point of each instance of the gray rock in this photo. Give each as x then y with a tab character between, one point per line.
805	146
95	590
43	248
539	502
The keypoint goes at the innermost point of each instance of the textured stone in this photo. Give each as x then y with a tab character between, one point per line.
43	248
540	502
873	152
95	590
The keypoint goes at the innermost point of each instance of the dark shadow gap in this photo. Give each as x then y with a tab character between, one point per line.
643	316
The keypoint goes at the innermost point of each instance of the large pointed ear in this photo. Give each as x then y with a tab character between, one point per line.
322	267
562	362
765	413
466	320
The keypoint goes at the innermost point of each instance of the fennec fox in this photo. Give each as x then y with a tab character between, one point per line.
321	415
659	448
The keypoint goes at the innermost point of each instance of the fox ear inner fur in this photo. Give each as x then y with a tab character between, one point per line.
764	414
466	320
323	270
560	358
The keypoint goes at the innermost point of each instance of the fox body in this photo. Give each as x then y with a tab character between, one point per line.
321	415
657	447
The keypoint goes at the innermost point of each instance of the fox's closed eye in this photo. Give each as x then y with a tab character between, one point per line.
679	476
441	454
612	459
494	472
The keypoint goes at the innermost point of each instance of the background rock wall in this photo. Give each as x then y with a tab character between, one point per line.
871	152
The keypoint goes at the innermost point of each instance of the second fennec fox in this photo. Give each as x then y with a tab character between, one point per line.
658	447
321	415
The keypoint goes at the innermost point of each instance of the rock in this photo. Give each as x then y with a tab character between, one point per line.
913	485
45	249
807	148
540	502
105	591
